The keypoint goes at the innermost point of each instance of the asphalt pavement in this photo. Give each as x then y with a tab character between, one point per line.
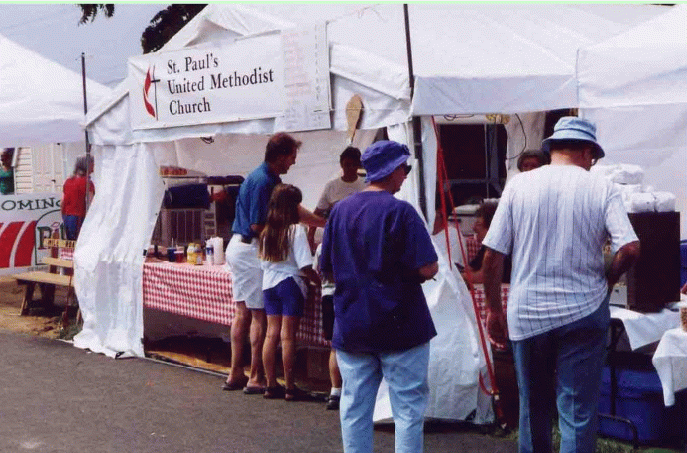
56	398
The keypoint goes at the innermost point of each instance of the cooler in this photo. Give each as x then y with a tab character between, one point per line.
640	400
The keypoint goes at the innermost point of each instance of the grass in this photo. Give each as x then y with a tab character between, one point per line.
603	445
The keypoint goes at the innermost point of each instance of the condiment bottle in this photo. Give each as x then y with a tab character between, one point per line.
198	252
191	253
209	252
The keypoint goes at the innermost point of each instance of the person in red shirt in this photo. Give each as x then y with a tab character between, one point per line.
73	205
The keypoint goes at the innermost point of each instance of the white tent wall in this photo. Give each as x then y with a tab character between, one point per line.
525	131
653	137
237	154
109	251
641	112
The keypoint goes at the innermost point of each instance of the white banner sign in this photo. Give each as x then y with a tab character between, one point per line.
25	221
306	79
235	81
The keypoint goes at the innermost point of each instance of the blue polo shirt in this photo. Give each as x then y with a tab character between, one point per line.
254	196
374	244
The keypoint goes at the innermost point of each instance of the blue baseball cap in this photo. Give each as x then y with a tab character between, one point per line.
381	158
574	128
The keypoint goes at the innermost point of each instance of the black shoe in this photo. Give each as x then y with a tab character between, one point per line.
272	393
298	394
333	402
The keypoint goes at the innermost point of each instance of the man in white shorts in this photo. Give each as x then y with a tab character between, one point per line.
242	257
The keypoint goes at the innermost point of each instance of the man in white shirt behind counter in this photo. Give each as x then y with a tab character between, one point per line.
339	188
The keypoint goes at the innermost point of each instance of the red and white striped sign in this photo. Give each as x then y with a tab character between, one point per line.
25	221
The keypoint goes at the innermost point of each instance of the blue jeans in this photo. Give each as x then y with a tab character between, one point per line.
406	374
72	225
565	362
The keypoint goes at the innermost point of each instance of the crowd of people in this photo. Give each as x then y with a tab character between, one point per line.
552	222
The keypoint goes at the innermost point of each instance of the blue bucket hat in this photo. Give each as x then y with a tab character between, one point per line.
381	158
574	128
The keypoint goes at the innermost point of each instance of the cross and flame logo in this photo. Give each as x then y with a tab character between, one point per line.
150	80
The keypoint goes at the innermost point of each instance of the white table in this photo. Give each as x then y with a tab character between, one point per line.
645	328
670	361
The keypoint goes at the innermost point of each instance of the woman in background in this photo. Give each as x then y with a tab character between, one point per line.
286	260
531	159
7	172
73	204
484	215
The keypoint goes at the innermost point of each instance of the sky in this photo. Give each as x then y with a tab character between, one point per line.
53	31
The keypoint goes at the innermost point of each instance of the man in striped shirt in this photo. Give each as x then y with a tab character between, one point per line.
554	221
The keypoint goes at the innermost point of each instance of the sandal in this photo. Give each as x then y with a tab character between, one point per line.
298	394
230	386
254	390
272	393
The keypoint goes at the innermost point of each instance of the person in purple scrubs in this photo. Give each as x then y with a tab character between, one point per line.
377	250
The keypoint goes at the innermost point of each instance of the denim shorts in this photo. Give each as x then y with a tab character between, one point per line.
285	299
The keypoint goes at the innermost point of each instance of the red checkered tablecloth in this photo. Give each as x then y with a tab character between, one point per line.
200	292
479	298
204	292
472	247
66	253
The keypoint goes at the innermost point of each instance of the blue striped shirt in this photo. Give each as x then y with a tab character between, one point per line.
554	221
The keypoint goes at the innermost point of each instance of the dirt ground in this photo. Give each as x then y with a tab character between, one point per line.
204	353
40	323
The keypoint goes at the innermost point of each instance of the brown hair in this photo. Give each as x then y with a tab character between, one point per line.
280	144
540	156
486	212
282	212
350	153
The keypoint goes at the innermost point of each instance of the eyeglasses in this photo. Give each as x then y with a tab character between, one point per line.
406	168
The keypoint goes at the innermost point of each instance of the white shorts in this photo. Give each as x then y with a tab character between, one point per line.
246	274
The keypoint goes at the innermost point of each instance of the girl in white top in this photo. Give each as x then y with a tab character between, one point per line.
286	260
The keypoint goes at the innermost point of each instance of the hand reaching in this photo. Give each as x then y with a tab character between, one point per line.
497	329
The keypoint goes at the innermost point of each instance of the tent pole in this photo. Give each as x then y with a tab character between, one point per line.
85	111
417	128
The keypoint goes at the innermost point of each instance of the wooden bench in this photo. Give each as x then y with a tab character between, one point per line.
59	273
57	262
47	282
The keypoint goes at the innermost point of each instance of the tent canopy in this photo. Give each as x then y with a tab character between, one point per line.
648	63
466	58
40	100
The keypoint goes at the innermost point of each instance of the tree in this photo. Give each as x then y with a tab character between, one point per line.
166	24
90	11
163	25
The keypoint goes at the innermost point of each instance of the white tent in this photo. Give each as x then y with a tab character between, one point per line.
534	63
40	100
641	111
